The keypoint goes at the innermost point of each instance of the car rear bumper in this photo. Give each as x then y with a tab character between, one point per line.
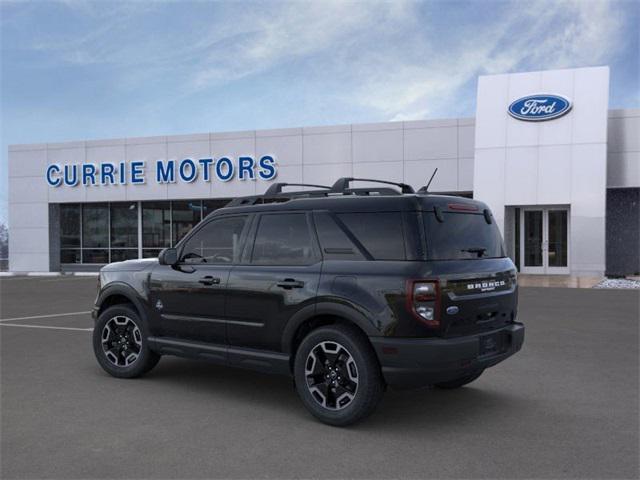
413	362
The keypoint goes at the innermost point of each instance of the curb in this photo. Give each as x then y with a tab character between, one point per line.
49	274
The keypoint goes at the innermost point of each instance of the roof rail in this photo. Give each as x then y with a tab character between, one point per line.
276	188
342	185
275	194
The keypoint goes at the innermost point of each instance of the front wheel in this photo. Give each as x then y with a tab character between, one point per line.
337	375
120	343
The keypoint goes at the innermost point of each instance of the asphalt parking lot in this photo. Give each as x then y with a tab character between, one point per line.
565	407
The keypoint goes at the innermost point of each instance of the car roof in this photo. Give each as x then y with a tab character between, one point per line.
360	203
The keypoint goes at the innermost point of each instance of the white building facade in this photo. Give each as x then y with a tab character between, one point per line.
557	167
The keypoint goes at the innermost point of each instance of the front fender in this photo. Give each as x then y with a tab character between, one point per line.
125	290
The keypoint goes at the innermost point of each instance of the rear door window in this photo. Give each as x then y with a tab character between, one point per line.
461	236
381	234
283	239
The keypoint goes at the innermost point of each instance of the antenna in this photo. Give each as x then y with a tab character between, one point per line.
425	189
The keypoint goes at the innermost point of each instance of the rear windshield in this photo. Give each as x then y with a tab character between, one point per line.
461	236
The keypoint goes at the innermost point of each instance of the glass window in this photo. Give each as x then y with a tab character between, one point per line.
283	239
533	237
124	225
462	236
122	254
69	226
186	215
334	241
156	225
95	225
216	242
95	256
381	234
70	255
558	243
209	206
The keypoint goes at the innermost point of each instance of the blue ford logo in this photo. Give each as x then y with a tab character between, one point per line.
536	108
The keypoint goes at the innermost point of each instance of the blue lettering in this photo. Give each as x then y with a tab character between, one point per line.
267	168
137	172
165	174
224	177
206	170
106	172
88	174
192	169
51	169
123	173
245	166
69	180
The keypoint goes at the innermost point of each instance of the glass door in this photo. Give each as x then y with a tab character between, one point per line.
557	244
544	246
532	260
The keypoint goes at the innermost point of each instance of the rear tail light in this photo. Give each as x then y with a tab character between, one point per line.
423	301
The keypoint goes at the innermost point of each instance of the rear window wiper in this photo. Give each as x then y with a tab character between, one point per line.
479	250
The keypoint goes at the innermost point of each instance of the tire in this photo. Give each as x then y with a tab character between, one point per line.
459	382
119	336
348	387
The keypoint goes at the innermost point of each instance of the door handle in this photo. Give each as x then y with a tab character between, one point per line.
289	283
209	280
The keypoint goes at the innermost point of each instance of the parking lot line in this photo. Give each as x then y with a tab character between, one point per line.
46	326
35	317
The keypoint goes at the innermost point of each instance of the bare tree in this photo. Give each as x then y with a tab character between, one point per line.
4	241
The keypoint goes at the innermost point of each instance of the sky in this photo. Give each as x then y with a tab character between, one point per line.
77	70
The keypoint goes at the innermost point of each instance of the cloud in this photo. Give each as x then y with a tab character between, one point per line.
294	31
401	60
525	36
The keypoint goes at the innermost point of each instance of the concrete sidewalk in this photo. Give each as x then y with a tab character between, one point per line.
557	281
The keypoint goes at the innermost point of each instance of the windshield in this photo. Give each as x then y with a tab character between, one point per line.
461	236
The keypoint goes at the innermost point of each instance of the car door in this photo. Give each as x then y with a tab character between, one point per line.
189	297
277	277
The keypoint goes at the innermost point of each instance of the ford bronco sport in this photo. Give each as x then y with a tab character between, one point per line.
348	290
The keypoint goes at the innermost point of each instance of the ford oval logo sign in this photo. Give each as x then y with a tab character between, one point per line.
536	108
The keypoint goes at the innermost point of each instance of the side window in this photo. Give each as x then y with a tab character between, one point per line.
283	239
335	243
215	243
380	233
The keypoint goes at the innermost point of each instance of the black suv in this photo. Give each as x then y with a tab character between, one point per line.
349	290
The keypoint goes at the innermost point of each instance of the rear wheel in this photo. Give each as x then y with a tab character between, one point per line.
459	382
120	343
337	375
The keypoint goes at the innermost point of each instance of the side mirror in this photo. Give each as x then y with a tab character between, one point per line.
168	256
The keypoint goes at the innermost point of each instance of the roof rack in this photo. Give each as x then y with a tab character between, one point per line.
276	188
275	194
342	185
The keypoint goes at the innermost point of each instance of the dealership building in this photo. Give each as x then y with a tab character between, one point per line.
558	168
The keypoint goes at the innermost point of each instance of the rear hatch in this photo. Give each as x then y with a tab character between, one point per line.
477	282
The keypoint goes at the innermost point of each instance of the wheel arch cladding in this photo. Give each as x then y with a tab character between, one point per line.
119	295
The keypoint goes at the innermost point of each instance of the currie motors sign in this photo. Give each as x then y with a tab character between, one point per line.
187	170
540	107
